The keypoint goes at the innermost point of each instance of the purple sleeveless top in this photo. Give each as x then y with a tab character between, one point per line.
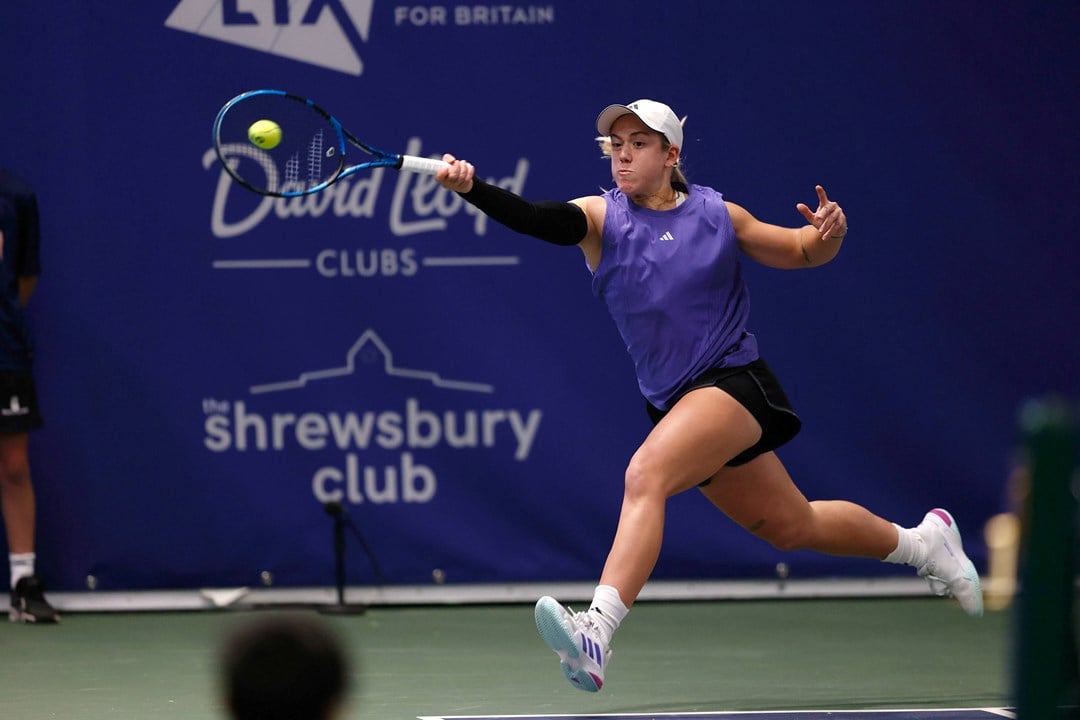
671	280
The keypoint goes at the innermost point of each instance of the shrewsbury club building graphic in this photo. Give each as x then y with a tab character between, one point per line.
377	454
369	348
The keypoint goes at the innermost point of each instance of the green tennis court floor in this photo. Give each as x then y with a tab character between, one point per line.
408	662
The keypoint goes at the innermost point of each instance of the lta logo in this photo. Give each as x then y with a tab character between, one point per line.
327	33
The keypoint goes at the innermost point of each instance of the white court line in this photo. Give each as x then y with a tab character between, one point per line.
1002	712
487	593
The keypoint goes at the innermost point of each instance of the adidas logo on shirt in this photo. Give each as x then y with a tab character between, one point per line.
666	237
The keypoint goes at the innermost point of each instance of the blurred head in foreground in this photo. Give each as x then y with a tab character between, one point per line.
283	667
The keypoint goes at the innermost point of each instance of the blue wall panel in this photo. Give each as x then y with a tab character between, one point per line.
457	387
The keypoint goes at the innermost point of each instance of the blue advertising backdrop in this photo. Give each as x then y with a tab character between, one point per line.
214	366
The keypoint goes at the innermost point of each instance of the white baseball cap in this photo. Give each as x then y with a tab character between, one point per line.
655	115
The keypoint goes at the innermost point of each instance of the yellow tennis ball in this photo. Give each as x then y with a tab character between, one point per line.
265	134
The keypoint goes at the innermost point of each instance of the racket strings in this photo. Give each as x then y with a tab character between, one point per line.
306	156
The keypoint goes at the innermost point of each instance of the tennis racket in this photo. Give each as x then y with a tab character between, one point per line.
303	155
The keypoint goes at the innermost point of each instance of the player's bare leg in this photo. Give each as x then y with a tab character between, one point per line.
762	498
704	430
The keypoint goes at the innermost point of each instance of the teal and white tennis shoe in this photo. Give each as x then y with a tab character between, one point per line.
947	568
576	639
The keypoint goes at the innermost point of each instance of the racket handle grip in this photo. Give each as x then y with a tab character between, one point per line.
428	166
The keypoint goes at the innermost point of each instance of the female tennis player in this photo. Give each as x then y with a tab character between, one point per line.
665	259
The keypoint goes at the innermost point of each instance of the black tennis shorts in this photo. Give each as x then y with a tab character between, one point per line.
756	389
19	410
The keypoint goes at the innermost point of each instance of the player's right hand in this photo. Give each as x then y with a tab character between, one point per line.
458	176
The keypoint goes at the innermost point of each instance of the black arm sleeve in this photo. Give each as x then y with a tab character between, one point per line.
559	223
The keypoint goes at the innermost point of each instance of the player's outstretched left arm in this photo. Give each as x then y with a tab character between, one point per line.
791	248
828	219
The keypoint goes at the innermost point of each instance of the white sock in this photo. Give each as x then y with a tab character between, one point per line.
607	610
22	565
910	548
